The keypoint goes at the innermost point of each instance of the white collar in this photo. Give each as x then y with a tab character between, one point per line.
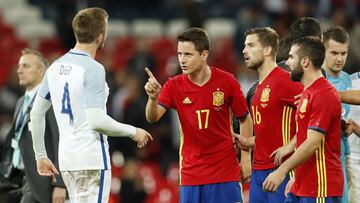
31	93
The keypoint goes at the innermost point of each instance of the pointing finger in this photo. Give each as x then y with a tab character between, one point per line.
149	73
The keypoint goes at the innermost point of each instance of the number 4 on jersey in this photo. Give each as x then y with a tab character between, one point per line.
66	107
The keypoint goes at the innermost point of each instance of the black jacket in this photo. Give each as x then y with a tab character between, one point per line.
40	186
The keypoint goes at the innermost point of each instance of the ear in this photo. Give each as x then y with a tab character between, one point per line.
99	38
305	62
41	70
204	55
267	51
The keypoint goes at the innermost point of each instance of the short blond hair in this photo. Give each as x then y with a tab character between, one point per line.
89	23
41	56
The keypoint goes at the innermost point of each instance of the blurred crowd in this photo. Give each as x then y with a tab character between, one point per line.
126	58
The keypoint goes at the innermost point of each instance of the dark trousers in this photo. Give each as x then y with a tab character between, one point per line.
21	194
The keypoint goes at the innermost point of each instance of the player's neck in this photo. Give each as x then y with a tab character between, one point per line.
200	77
265	69
88	48
310	77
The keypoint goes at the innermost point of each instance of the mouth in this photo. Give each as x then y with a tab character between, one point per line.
246	59
339	65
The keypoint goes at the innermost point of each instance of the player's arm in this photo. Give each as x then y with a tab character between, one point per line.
153	111
244	143
283	151
246	130
37	127
99	121
41	105
96	117
304	152
350	96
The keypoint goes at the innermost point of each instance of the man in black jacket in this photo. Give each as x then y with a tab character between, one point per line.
18	163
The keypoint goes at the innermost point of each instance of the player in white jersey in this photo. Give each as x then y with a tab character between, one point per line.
75	86
354	142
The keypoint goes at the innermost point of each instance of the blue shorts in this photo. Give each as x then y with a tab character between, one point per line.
291	198
257	194
229	192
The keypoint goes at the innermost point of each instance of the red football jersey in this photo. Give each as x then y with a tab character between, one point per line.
273	114
320	109
207	153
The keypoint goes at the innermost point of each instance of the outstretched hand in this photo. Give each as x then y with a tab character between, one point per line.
152	86
142	137
46	168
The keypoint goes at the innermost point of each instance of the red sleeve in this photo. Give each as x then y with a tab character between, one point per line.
237	102
322	111
288	90
165	97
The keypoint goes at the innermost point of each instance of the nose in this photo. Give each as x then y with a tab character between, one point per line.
339	58
287	62
182	59
19	70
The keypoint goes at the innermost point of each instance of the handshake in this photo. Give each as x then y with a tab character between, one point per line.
349	127
243	143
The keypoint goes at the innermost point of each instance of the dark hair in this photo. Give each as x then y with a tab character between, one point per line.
198	36
337	34
40	56
313	48
267	37
305	26
89	23
284	48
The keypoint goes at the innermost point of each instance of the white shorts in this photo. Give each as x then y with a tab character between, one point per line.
353	169
88	186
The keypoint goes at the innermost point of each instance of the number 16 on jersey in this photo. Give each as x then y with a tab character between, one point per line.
256	115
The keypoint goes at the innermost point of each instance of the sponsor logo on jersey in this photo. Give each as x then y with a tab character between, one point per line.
187	100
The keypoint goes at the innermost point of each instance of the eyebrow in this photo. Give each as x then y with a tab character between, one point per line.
338	51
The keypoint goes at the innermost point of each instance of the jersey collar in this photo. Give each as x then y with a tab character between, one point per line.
78	52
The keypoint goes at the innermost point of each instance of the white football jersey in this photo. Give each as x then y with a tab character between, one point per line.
73	83
354	141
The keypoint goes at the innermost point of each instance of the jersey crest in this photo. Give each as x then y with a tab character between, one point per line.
303	106
218	98
265	94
